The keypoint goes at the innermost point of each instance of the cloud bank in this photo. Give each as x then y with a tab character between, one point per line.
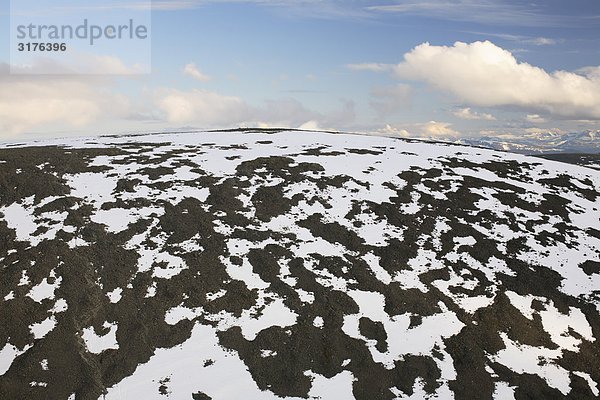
28	102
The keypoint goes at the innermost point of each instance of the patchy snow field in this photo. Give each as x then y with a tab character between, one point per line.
296	265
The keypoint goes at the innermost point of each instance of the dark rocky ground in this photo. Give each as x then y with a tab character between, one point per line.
392	268
585	159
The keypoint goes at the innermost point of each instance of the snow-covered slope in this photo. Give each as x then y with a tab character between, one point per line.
293	265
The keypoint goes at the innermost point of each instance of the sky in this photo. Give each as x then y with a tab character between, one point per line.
433	68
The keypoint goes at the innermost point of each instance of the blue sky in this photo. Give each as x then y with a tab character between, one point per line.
434	68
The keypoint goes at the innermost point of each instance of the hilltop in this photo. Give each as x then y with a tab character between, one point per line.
285	264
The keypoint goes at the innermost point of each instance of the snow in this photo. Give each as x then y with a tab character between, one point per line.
465	241
522	303
8	355
274	314
95	187
504	391
115	219
45	290
558	325
534	360
41	329
97	344
173	268
244	272
59	306
593	385
216	295
337	387
24	281
184	364
401	340
305	297
19	218
381	274
180	313
115	295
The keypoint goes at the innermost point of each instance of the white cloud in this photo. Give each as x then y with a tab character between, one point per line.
535	119
437	129
192	70
390	130
480	11
373	67
468	114
30	102
499	134
531	40
484	74
429	130
201	107
591	72
541	41
534	132
310	126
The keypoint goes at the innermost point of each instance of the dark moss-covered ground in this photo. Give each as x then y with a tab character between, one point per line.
591	160
244	264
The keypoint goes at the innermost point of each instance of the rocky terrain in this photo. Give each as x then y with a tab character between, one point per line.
295	265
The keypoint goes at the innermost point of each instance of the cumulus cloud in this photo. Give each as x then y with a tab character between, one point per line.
437	129
430	130
484	74
390	130
192	70
468	114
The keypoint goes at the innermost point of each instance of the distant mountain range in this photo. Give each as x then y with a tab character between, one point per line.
542	142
